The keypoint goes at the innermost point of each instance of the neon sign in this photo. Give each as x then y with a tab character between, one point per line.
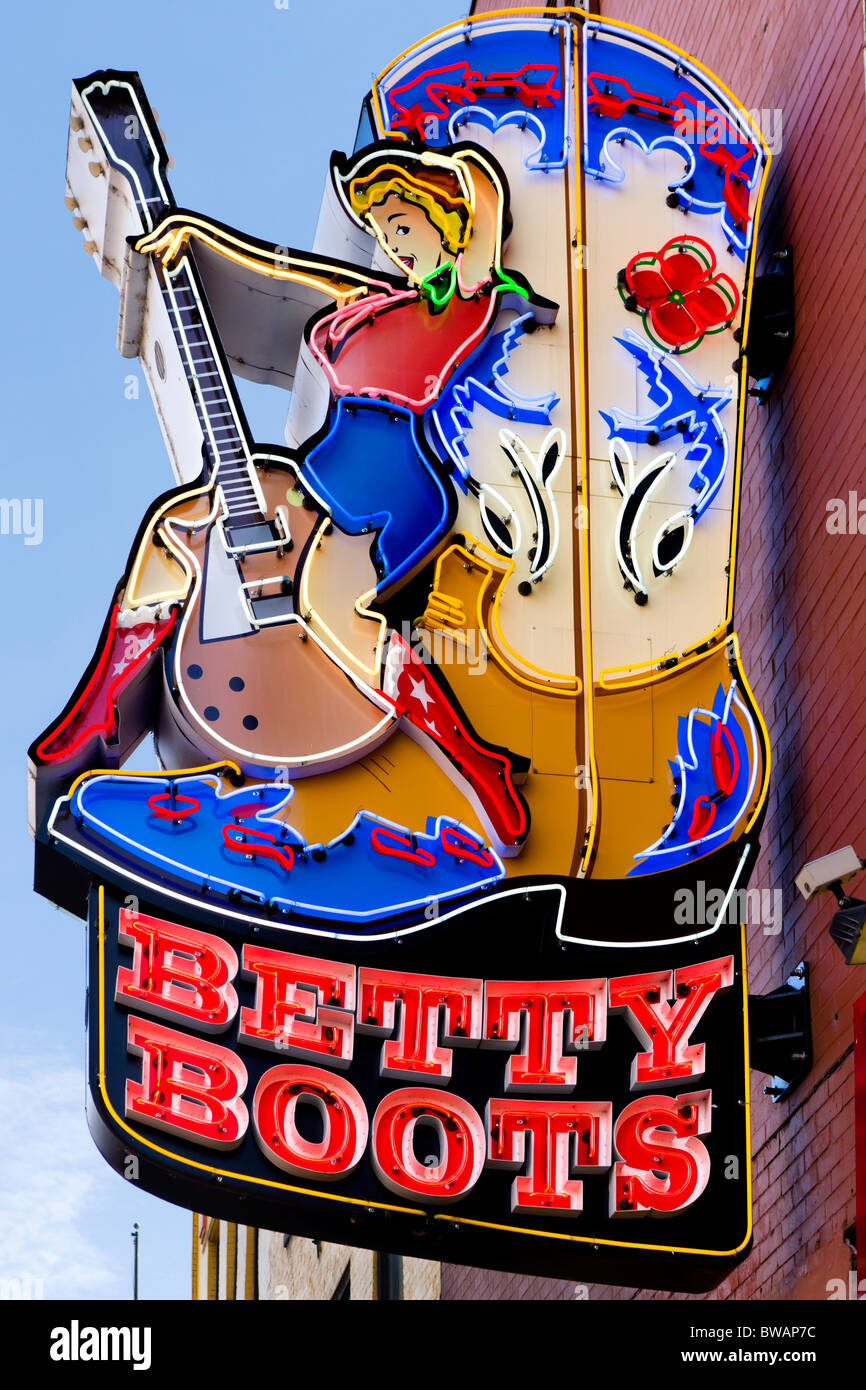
435	682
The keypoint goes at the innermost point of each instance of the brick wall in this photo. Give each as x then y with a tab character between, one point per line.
800	608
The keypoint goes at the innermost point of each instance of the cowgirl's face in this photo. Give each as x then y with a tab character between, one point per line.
411	240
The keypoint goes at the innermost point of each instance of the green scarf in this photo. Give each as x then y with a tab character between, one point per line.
438	287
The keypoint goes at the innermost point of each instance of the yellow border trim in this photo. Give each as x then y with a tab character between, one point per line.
135	600
169	244
759	719
650	674
311	615
583	533
131	772
195	1258
637	1245
496	572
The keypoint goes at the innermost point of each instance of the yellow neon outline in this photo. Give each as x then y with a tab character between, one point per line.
651	675
568	13
175	772
585	490
414	1211
495	569
637	1245
309	613
169	244
194	1271
135	600
744	377
766	751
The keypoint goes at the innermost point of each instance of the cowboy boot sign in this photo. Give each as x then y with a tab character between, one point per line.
426	933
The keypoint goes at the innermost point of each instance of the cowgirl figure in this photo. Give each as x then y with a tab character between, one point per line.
386	353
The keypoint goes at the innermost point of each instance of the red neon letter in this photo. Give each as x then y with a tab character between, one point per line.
415	1052
545	1017
301	1005
645	1143
555	1140
177	972
343	1114
666	1028
188	1086
459	1137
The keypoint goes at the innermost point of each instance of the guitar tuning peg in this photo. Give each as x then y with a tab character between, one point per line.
162	135
70	202
79	224
95	169
171	161
89	247
155	114
76	123
84	143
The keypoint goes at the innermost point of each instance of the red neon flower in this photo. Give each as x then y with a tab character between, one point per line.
678	294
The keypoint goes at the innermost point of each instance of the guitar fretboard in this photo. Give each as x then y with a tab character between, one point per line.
117	106
226	452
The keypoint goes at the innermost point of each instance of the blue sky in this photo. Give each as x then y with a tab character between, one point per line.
252	98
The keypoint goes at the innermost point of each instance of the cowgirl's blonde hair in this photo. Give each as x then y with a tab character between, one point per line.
434	190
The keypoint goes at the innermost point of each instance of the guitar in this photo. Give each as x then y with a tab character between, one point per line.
248	679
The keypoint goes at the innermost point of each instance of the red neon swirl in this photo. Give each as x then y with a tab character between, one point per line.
725	759
400	847
167	806
463	847
264	845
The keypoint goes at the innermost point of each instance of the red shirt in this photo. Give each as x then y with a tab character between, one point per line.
393	346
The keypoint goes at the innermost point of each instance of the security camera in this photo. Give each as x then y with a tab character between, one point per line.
848	928
829	872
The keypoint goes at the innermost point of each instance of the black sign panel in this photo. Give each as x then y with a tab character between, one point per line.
689	1248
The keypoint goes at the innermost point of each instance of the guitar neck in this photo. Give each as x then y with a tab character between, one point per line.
226	445
130	139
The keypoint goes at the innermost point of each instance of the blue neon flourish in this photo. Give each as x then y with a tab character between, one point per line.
345	880
692	773
481	381
480	115
683	407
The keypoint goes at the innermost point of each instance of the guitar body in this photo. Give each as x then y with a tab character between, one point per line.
251	681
